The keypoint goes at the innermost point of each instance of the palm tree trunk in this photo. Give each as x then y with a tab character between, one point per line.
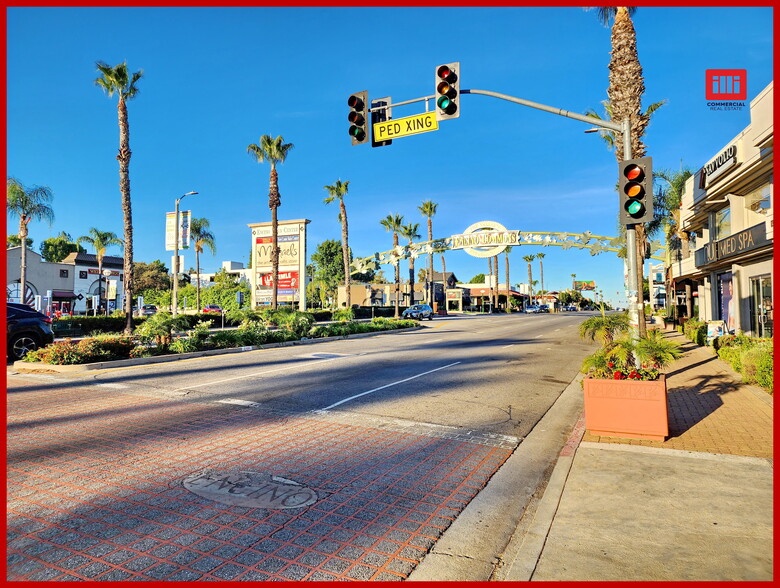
345	252
23	259
530	285
495	281
640	264
273	203
541	277
490	273
124	185
444	279
411	280
506	263
100	284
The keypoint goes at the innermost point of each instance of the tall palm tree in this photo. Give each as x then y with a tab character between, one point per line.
626	87
540	256
117	80
428	209
529	259
506	267
490	281
670	200
411	232
100	241
27	204
273	151
495	281
201	238
393	223
338	191
573	282
440	246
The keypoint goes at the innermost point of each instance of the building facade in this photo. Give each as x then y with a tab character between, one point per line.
727	274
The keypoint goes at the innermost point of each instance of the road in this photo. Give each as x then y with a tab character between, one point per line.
388	438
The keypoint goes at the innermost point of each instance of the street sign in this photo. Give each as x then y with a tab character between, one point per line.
403	127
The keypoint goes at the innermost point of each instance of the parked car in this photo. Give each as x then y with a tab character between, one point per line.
531	309
544	308
570	308
419	312
212	308
148	310
27	330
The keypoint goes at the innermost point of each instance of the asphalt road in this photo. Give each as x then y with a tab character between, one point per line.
494	374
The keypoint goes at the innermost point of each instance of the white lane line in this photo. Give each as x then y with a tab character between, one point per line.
252	375
334	405
505	346
537	336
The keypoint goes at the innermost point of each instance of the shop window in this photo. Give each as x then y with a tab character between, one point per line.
722	223
82	275
759	200
63	273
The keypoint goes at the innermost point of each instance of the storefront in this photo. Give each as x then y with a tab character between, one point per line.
728	205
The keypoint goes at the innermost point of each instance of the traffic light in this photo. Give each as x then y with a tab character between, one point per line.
358	117
447	91
635	186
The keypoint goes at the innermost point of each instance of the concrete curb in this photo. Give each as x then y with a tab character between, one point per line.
477	541
37	367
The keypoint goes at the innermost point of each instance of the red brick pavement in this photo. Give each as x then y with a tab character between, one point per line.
95	490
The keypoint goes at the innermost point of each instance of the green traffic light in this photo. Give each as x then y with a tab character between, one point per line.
634	207
443	102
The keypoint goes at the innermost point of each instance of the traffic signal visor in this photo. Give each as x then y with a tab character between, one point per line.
447	89
635	180
357	117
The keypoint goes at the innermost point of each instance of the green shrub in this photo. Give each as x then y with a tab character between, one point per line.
343	314
731	355
696	331
90	350
184	345
297	322
161	326
757	365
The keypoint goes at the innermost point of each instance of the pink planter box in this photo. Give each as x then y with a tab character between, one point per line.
626	408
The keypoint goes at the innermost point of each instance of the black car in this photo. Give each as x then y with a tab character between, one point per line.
27	329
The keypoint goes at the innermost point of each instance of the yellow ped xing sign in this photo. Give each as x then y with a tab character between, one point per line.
403	127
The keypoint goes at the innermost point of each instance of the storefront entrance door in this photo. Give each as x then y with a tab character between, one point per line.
761	312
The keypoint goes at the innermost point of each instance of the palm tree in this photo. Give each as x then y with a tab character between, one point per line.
540	256
28	204
393	223
506	266
273	151
495	281
339	190
626	87
604	327
428	209
440	246
529	259
573	282
201	237
100	241
668	202
490	273
117	80
411	232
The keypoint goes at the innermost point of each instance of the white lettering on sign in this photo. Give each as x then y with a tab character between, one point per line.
403	127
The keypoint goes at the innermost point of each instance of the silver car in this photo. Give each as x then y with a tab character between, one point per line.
419	312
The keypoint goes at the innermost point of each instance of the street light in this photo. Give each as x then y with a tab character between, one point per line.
174	298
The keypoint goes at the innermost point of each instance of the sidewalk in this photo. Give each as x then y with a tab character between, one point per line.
697	506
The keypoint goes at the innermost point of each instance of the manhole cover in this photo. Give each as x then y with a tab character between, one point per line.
250	489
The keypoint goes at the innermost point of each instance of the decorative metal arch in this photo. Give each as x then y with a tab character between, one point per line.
596	244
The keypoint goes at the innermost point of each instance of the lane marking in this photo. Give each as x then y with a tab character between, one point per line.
510	345
284	369
537	336
334	405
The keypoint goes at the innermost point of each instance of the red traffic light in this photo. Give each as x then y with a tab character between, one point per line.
356	118
634	173
355	102
446	74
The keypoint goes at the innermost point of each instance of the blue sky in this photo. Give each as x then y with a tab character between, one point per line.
216	79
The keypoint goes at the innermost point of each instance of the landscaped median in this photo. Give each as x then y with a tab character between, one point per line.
155	342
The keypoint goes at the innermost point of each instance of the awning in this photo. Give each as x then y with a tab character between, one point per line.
63	294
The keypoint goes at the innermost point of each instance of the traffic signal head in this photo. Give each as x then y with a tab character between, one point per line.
635	186
358	117
447	94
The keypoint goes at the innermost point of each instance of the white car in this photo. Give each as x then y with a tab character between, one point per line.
419	312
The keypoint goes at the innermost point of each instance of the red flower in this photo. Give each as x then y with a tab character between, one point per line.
610	364
618	375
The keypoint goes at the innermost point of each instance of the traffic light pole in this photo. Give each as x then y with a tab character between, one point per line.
625	129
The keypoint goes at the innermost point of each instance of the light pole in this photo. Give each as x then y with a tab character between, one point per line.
106	274
174	298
